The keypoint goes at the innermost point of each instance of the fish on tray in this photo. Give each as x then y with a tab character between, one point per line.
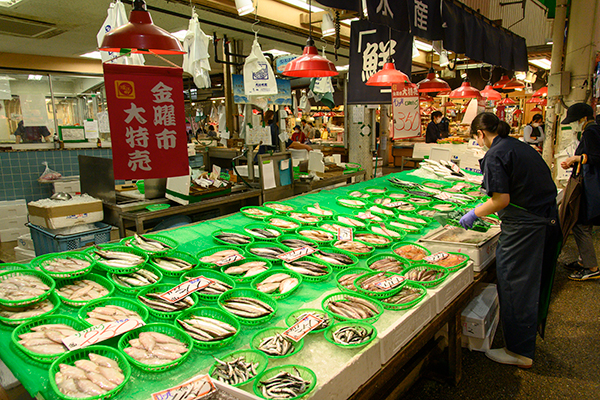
110	313
47	339
443	207
22	287
139	278
283	224
233	238
376	190
333	258
154	301
387	264
347	280
263	233
352	203
305	217
411	252
284	385
358	194
371	283
450	261
332	227
352	307
276	345
324	317
318	210
258	212
279	207
423	274
317	235
380	210
118	259
235	371
267	252
348	335
148	244
218	256
308	268
427	213
382	230
83	290
216	288
205	329
353	246
406	295
414	220
67	264
296	243
26	312
247	269
372	238
247	307
87	378
351	221
154	348
420	201
406	227
396	195
280	282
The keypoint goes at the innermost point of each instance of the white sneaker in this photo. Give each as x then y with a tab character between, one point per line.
505	356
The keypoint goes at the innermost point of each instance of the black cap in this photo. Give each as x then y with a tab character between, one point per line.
578	111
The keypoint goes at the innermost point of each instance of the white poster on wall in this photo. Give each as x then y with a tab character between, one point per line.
91	129
103	122
33	107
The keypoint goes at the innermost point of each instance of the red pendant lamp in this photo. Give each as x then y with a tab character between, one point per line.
536	109
543	92
489	93
465	91
534	100
448	104
310	64
513	84
432	84
389	76
503	81
140	35
543	103
507	101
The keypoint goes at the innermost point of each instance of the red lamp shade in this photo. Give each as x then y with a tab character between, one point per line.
536	109
514	83
517	112
465	91
490	94
388	76
503	81
543	103
534	100
541	92
507	101
425	99
140	35
433	84
310	64
448	104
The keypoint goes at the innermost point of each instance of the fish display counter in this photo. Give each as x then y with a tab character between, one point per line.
347	259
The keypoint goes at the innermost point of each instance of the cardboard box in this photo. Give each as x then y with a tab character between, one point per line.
13	223
71	187
63	216
23	255
12	235
478	315
451	287
13	208
25	242
482	344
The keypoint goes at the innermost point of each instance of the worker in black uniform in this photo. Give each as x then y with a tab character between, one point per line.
523	194
433	133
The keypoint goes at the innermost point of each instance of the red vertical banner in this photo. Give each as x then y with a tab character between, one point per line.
406	111
147	121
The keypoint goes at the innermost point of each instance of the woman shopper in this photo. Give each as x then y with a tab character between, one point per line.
586	161
521	191
533	133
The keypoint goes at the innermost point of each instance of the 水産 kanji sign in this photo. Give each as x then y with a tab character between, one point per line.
147	121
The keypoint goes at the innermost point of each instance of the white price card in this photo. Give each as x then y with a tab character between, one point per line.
345	234
436	257
296	254
196	388
230	260
391	282
186	288
100	333
302	327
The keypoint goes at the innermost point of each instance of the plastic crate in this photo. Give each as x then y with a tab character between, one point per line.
46	242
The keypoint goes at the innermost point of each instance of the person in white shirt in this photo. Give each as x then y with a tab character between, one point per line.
533	133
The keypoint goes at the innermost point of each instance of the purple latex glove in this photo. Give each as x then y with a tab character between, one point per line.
468	219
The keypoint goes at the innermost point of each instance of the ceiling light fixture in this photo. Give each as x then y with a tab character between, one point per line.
303	5
389	75
415	50
140	35
9	3
35	77
92	54
244	7
423	46
541	92
489	93
444	61
507	101
503	81
513	84
327	26
432	84
465	91
543	63
536	109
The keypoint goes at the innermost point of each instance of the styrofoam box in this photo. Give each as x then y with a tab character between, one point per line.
235	392
13	223
13	208
482	344
25	242
451	287
12	235
478	315
406	324
72	186
23	255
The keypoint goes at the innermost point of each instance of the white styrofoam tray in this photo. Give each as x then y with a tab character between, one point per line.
451	287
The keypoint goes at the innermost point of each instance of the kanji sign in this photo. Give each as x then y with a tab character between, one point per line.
147	121
406	112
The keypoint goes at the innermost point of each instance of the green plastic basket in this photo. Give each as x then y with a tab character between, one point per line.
376	190
51	319
12	267
48	281
41	261
354	270
360	223
375	218
458	266
420	201
210	274
129	304
409	304
363	195
53	299
338	251
181	255
163	239
359	238
403	217
402	244
410	229
166	329
163	315
349	202
269	220
214	313
403	262
92	277
375	294
305	218
279	208
290	320
386	213
357	254
453	206
274	261
261	226
124	249
406	207
218	232
269	212
398	234
435	185
320	242
305	373
397	195
333	328
289	236
241	278
345	295
250	356
132	290
428	284
255	294
427	213
272	331
326	213
276	294
313	279
83	354
214	250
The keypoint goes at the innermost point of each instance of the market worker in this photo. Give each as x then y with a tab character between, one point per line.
523	194
587	161
273	123
298	135
533	132
31	134
433	133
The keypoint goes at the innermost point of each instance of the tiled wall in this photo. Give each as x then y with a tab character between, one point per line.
21	169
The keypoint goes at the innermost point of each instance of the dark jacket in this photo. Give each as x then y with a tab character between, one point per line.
433	134
589	209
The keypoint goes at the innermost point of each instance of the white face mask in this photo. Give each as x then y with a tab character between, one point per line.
577	126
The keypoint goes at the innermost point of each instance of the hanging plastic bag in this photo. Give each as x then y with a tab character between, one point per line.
304	104
294	105
323	85
48	175
223	132
213	114
259	79
116	17
196	59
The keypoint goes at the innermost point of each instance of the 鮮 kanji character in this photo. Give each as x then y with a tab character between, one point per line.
134	112
139	159
166	139
164	115
136	137
386	49
370	61
421	11
162	93
384	8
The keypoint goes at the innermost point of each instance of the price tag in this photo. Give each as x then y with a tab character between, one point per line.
436	257
296	254
196	388
366	215
391	282
230	260
100	333
302	327
345	234
397	204
186	288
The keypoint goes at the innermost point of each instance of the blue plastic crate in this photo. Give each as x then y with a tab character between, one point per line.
46	242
